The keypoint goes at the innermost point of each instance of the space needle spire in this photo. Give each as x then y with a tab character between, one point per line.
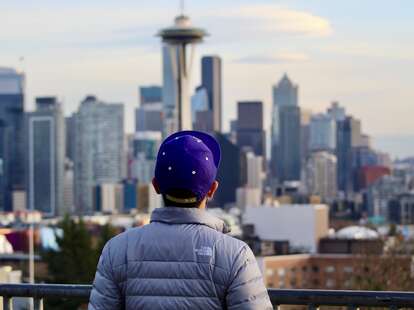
178	51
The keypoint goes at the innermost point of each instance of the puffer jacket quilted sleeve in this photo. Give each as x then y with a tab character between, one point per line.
106	293
246	290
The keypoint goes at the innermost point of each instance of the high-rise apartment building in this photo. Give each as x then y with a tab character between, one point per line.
46	157
321	179
99	150
211	80
12	163
286	132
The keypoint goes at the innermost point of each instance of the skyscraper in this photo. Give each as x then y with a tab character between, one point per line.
201	114
321	176
336	111
99	149
145	147
322	133
70	127
12	167
149	116
212	82
348	136
228	174
46	153
150	94
250	126
286	132
176	72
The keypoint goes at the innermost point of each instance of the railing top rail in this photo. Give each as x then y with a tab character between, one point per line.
277	296
341	298
45	290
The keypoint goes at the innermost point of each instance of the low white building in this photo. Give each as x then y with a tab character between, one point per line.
301	225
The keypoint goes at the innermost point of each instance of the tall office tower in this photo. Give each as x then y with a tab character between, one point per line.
12	163
336	112
211	80
228	174
286	132
348	136
250	126
149	116
322	133
251	169
70	127
305	118
46	157
145	148
130	195
176	72
68	189
200	112
150	95
321	176
108	197
99	149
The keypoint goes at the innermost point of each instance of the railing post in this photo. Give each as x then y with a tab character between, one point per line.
7	303
38	304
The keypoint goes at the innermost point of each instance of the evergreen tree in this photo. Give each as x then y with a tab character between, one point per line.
107	232
76	258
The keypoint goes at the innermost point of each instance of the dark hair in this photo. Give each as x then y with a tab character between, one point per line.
180	194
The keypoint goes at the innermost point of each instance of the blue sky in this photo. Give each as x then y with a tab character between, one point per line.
360	53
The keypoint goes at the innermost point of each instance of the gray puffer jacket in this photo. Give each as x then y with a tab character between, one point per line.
181	260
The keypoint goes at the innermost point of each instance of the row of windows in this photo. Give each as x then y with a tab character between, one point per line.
281	272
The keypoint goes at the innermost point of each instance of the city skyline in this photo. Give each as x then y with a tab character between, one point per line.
361	61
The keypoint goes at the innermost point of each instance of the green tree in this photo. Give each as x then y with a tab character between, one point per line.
76	258
107	232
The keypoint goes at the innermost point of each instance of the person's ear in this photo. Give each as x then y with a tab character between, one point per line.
156	186
212	189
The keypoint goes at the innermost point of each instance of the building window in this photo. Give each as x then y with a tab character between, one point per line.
348	269
330	269
315	268
348	284
269	272
330	283
281	272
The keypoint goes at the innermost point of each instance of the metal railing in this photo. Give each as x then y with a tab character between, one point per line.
310	298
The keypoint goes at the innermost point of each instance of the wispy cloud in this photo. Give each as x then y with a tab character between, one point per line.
272	18
284	57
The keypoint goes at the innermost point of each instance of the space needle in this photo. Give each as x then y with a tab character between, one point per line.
177	63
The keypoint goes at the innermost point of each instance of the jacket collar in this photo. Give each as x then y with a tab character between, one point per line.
174	215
